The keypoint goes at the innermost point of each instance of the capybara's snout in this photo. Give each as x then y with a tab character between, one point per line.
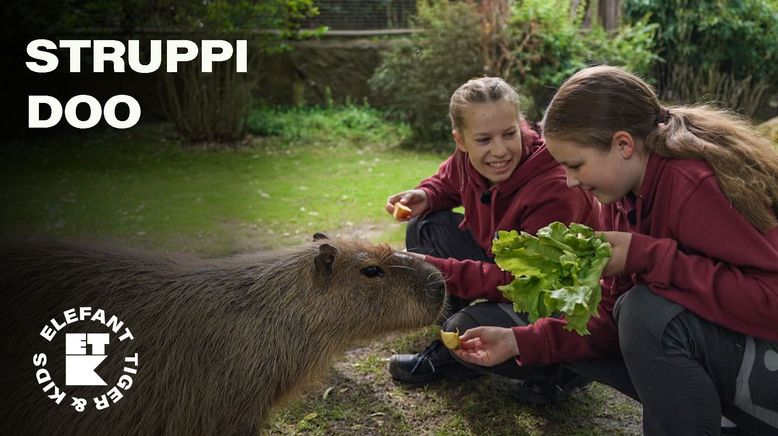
435	284
434	287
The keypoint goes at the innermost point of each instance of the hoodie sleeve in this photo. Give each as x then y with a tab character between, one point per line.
546	341
443	188
715	264
550	201
472	279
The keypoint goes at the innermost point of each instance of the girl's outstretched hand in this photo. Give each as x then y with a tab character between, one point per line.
620	243
414	199
487	346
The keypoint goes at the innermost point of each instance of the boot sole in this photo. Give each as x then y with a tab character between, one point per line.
530	397
451	374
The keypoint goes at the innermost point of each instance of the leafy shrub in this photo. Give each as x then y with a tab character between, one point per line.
349	124
418	75
549	45
631	47
534	45
714	49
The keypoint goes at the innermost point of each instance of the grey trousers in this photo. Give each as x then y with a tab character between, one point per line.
687	371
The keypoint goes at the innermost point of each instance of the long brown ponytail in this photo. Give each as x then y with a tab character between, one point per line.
597	102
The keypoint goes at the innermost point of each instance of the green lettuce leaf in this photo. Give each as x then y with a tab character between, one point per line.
557	271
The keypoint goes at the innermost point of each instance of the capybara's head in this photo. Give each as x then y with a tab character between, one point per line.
393	289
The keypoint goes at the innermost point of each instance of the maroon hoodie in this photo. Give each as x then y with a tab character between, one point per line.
690	246
535	195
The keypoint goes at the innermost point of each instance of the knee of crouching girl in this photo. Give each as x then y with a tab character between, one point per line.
642	317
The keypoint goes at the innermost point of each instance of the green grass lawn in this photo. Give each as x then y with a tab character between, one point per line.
149	190
319	170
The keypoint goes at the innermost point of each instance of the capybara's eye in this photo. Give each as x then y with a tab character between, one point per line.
373	271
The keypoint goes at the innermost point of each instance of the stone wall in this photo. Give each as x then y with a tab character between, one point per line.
304	74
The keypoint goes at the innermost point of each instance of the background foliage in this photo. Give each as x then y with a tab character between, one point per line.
418	75
534	46
550	45
713	49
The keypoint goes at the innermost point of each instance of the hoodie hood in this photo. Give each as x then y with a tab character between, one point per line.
494	203
633	210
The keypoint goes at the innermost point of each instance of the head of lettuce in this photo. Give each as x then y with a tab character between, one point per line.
557	271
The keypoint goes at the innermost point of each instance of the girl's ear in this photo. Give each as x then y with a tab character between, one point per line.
459	140
624	143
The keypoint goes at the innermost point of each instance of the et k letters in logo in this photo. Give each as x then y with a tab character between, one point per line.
90	356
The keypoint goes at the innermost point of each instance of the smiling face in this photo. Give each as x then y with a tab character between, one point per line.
491	138
609	175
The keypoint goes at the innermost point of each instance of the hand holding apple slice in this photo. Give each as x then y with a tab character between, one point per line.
450	339
401	211
407	204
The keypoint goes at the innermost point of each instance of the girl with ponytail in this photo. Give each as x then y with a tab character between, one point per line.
688	325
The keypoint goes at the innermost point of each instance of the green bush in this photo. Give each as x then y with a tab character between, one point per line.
631	47
723	50
539	46
550	46
418	75
546	46
332	126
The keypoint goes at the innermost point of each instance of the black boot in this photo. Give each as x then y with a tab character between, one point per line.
432	364
549	390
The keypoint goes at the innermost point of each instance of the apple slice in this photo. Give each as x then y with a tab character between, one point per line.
401	211
450	339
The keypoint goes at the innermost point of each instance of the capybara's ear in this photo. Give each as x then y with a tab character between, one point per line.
317	236
324	261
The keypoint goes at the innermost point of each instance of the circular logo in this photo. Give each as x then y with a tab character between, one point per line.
771	360
90	340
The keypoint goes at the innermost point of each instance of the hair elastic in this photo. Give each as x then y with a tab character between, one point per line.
663	116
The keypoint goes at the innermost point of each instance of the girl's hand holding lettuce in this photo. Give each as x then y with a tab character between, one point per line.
556	271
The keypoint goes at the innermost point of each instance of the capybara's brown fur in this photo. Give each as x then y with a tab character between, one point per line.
219	342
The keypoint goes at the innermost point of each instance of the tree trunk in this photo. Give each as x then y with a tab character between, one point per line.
606	12
609	12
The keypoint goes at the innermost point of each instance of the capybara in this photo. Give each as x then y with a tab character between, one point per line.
194	346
